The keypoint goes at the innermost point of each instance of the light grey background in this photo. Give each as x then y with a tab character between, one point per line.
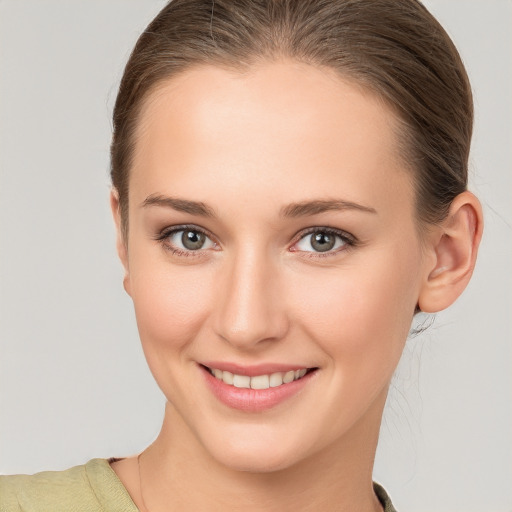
73	380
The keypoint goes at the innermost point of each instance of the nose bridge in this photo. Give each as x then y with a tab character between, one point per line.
250	311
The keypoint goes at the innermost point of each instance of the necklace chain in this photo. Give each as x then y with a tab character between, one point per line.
140	485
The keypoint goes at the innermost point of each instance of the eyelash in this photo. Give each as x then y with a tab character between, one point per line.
164	235
349	241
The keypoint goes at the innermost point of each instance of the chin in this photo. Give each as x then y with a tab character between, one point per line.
256	462
256	452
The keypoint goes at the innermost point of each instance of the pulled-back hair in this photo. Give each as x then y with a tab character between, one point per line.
395	48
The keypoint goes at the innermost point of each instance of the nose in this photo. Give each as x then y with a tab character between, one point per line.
251	309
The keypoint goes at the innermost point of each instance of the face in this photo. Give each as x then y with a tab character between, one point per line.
272	257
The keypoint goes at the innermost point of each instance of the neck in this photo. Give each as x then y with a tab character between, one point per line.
177	469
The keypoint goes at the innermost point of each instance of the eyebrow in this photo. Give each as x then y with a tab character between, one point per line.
315	207
180	205
301	209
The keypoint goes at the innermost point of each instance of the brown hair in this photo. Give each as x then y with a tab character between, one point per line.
395	48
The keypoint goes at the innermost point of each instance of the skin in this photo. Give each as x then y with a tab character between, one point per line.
247	146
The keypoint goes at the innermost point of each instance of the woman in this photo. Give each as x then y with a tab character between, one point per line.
289	190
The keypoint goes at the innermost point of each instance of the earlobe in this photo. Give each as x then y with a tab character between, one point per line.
122	249
454	248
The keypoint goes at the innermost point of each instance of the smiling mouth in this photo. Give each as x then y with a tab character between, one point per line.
265	381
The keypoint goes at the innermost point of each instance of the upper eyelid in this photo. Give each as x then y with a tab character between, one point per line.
324	229
165	232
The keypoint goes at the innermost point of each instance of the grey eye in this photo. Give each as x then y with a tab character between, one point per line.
192	240
320	241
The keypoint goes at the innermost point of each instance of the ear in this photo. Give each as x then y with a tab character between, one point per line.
121	243
453	246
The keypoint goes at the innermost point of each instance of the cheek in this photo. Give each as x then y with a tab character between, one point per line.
171	304
361	313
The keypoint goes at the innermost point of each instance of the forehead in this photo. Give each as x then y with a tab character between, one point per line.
282	123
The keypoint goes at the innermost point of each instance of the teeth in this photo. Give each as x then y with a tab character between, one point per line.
258	381
276	379
241	381
288	377
227	377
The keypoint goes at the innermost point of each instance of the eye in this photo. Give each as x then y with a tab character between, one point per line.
186	239
322	240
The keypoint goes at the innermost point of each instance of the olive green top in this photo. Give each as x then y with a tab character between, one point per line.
92	487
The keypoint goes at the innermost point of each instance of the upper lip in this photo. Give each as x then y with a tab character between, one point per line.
252	370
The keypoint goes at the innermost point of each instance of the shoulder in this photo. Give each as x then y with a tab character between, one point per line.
87	488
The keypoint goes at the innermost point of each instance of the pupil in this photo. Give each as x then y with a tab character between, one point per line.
192	240
322	242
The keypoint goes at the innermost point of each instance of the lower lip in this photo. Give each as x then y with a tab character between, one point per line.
254	400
